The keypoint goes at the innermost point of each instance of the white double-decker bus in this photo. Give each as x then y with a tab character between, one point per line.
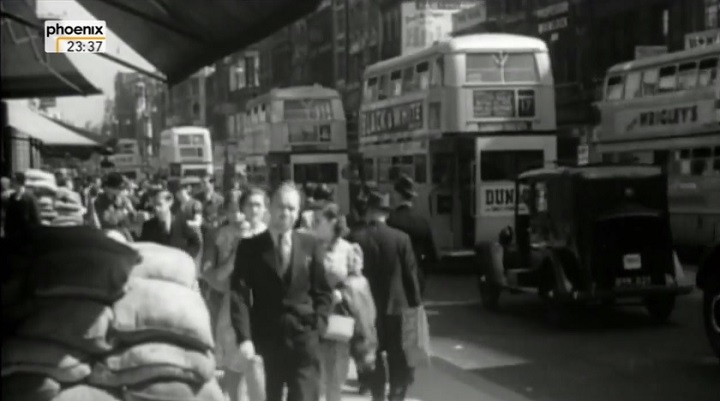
462	118
665	110
298	134
186	153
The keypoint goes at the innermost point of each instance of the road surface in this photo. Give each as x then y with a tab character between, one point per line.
514	355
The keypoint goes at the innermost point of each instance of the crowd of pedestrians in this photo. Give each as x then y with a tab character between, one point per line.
295	286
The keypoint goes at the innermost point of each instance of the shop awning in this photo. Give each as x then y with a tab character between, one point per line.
27	71
179	37
44	129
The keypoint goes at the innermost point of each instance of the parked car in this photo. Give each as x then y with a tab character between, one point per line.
708	280
586	235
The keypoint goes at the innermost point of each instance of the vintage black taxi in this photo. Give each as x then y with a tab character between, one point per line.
584	235
708	281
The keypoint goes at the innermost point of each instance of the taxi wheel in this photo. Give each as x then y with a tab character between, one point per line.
660	308
489	293
711	306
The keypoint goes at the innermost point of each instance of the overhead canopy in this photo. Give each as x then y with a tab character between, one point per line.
44	129
179	37
27	71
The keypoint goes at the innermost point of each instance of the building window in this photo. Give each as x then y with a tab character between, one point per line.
238	77
341	66
252	67
712	8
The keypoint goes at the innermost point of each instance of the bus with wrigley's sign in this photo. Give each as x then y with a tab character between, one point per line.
462	118
665	110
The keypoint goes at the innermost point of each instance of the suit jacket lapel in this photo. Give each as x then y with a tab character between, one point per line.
297	255
269	254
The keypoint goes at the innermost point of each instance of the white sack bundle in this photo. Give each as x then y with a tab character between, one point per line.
164	263
176	391
156	310
153	361
48	359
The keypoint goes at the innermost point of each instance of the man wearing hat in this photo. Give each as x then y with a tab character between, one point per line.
407	220
391	270
113	209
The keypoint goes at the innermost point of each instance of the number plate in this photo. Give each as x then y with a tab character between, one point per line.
641	281
632	261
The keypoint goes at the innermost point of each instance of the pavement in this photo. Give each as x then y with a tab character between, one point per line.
515	355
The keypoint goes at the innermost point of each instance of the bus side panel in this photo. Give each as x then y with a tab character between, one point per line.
494	200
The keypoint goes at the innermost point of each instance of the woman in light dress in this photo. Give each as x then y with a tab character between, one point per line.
342	260
247	220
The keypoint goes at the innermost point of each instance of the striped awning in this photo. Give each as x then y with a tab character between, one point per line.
23	119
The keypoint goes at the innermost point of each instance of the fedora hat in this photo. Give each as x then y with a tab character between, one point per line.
378	200
405	186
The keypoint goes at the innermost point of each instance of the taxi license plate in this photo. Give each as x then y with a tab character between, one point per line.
632	261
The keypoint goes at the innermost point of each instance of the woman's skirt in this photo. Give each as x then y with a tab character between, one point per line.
227	352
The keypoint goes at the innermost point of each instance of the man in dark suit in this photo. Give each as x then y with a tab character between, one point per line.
412	223
167	229
391	270
280	301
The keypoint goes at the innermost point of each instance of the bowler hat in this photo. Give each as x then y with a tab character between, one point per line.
405	186
323	193
378	200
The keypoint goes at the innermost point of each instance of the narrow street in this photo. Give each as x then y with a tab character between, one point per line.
514	355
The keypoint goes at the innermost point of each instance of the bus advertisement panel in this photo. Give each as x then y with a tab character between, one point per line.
461	118
664	110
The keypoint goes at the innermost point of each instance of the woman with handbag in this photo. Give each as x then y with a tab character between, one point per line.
342	260
253	204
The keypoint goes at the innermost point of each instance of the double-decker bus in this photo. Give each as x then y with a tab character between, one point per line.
462	118
665	110
298	134
186	153
126	159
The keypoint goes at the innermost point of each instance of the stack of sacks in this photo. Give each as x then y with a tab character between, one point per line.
69	208
106	322
44	187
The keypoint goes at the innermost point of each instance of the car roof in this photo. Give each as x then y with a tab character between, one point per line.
596	171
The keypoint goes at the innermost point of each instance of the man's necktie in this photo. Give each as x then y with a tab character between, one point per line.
281	253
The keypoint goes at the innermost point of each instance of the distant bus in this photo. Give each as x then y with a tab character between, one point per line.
298	134
186	153
126	159
462	118
665	110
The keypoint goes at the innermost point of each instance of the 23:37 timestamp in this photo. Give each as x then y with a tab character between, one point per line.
85	46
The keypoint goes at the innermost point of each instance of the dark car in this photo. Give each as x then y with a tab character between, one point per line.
708	280
587	235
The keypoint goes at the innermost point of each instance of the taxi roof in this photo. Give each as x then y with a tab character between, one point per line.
596	171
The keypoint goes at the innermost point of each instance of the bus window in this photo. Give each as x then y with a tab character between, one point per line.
409	83
482	68
422	71
615	86
668	79
371	89
396	83
505	165
708	72
520	68
443	168
420	169
191	152
434	110
369	169
382	92
632	85
262	116
438	72
650	82
687	76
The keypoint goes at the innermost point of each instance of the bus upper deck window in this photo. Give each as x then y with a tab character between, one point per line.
668	79
708	72
520	68
409	83
383	87
632	85
482	68
422	71
371	89
615	87
396	83
650	82
687	75
438	72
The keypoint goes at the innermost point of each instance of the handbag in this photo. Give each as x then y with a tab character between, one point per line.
340	328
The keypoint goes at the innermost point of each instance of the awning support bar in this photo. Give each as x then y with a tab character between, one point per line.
23	21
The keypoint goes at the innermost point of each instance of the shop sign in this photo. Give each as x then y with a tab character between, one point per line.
401	118
702	39
470	17
666	119
553	17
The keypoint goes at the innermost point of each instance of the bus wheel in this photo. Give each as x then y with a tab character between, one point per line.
711	308
660	308
489	292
